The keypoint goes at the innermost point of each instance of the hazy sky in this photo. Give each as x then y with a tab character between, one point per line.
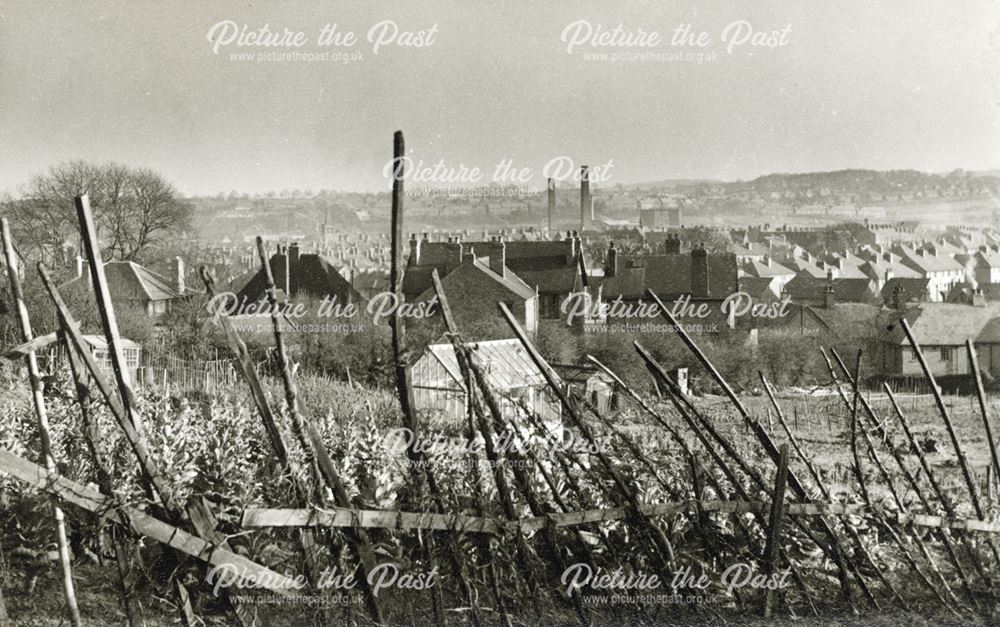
893	84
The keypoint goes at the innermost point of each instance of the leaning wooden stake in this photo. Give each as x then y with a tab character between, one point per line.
92	437
482	424
963	461
704	430
102	294
882	432
151	475
938	492
658	538
38	400
313	445
762	437
404	388
307	537
981	395
775	521
4	617
827	495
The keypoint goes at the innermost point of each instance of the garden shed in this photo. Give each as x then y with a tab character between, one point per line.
440	393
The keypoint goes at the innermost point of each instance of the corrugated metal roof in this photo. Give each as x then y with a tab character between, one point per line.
100	342
506	363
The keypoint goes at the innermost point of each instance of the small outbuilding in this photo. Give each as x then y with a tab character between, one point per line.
440	392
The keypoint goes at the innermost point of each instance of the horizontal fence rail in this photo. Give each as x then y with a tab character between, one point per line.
378	519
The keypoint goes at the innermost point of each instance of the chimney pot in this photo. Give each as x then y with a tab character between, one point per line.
700	286
498	257
828	296
611	268
178	275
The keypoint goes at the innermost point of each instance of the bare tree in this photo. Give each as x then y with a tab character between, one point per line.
134	209
152	210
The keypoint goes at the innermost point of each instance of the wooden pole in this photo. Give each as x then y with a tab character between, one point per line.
38	400
659	540
403	373
472	374
942	498
91	500
152	478
859	543
105	307
703	429
963	461
981	395
91	435
307	537
774	526
4	617
760	433
880	427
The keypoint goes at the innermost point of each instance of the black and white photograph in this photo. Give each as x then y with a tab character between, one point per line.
486	313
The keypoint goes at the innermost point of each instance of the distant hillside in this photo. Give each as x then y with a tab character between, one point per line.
863	182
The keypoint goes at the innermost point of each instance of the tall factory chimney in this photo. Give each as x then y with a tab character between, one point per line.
552	201
584	196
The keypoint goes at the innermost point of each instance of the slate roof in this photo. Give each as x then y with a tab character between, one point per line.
314	275
128	280
552	281
812	266
944	247
806	288
989	258
759	288
756	268
417	279
928	262
669	276
990	333
945	324
375	280
842	320
545	264
914	288
752	249
877	267
509	280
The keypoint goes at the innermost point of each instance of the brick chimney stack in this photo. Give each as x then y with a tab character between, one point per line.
611	267
584	196
699	272
899	297
498	256
178	274
292	268
414	250
672	245
279	268
571	247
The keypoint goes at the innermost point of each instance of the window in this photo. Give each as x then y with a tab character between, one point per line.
945	353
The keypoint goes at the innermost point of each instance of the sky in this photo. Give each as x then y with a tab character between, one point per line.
844	84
